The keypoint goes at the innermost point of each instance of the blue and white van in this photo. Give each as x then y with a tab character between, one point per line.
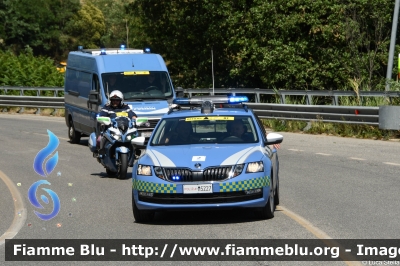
92	74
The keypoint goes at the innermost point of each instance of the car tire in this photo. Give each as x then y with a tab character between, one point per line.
74	136
141	216
276	197
267	212
123	166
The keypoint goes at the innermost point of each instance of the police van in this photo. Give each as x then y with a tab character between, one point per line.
91	74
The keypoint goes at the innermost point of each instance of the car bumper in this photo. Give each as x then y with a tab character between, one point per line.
152	193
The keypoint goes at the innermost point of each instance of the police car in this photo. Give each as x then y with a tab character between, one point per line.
207	153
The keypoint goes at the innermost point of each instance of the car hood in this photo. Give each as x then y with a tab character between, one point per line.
189	155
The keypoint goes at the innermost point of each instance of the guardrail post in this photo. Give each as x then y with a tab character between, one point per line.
20	111
282	97
309	99
5	110
37	111
335	100
54	112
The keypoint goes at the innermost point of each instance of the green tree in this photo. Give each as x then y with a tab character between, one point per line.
291	44
87	26
117	22
36	23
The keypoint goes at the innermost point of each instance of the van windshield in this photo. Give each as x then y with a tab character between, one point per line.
137	85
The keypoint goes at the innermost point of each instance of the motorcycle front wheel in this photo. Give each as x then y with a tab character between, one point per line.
122	165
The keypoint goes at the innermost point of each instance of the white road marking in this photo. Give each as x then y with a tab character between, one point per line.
397	164
58	119
19	209
324	154
347	258
358	159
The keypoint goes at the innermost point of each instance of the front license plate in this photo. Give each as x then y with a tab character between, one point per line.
146	134
196	189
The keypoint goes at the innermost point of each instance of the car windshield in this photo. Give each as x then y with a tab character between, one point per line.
205	129
138	85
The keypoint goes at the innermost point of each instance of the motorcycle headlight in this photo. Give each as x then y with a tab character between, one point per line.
255	167
144	170
116	136
237	170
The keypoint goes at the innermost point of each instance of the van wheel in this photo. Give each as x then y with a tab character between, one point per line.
74	136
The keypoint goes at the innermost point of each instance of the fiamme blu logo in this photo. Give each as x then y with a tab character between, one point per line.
45	162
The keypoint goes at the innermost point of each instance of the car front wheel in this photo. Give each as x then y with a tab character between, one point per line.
267	212
140	215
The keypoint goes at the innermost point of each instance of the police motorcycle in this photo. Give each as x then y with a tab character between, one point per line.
120	135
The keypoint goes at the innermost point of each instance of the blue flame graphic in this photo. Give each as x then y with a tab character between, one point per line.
44	153
32	198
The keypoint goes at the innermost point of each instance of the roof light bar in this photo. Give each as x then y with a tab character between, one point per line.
105	51
238	99
199	100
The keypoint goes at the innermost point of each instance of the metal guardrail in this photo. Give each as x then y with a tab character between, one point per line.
334	95
326	113
333	114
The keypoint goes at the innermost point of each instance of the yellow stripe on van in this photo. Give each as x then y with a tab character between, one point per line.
130	73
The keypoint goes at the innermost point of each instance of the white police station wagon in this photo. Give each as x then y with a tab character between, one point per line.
207	153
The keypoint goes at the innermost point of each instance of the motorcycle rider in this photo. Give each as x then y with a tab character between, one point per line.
115	105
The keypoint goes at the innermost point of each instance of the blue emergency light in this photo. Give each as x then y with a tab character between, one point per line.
103	51
238	99
122	47
199	100
147	50
176	177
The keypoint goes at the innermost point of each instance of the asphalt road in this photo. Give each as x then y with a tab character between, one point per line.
330	187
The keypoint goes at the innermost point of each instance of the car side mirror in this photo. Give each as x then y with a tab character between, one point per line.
94	97
274	138
179	92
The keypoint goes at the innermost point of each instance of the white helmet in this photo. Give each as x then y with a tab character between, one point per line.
116	95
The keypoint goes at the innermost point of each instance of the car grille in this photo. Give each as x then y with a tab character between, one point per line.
153	123
223	197
209	174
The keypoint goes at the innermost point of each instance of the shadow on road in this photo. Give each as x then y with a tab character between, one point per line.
205	217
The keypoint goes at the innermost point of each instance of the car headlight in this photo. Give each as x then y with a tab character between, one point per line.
144	170
159	172
237	170
255	167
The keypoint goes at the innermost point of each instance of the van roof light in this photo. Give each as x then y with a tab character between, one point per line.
108	51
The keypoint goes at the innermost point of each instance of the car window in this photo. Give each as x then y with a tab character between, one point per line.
205	129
